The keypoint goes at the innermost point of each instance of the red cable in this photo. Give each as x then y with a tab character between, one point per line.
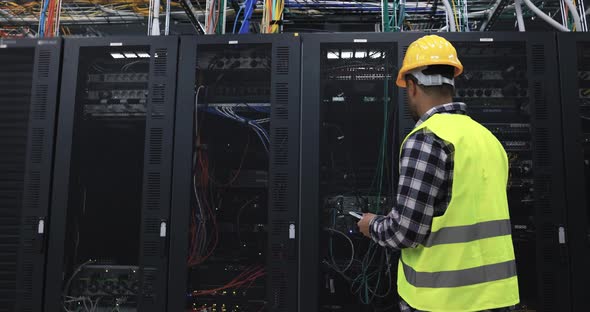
48	22
255	273
233	179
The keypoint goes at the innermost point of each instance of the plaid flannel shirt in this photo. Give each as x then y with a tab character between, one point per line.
424	189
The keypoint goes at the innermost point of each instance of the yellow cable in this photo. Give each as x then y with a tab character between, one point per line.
455	15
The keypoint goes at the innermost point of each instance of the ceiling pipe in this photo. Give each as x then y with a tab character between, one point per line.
452	24
544	16
519	18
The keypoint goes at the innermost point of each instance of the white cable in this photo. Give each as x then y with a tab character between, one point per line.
575	15
544	16
156	20
219	110
261	131
229	113
583	15
202	219
150	17
167	24
56	23
95	305
450	15
351	248
78	269
262	134
519	18
86	306
197	107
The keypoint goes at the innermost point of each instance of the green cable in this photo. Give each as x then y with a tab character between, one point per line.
383	140
383	148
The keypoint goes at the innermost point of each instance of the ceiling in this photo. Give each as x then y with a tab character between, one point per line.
129	17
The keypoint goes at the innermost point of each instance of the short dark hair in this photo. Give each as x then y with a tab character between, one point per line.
445	90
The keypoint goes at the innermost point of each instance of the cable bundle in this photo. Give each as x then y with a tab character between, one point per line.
248	8
364	282
214	24
244	280
367	272
254	124
204	232
204	238
49	18
381	171
272	16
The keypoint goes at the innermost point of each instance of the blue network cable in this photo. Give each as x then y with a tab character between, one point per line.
42	19
237	18
245	28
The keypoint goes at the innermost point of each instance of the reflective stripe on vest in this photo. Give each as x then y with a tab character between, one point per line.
481	274
468	233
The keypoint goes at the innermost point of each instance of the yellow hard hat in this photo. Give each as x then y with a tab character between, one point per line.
429	50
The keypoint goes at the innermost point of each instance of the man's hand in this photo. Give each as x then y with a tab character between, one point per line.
363	224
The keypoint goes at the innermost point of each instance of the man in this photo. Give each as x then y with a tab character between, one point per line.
451	218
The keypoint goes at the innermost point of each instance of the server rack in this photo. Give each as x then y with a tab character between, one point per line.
509	86
29	71
348	95
111	191
574	62
257	78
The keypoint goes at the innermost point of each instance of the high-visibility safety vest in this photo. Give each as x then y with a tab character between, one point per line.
467	262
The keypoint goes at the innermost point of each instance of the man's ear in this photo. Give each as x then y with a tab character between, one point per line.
411	87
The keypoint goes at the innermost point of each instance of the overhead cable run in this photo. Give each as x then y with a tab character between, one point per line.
49	18
249	15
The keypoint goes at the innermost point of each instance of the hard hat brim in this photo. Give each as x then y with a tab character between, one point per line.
401	81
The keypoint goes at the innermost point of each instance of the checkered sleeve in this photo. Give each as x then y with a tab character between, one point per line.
423	171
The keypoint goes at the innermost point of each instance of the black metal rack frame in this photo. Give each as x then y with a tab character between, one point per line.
283	168
576	187
309	224
156	189
28	220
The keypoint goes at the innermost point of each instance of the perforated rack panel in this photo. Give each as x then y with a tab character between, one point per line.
29	72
